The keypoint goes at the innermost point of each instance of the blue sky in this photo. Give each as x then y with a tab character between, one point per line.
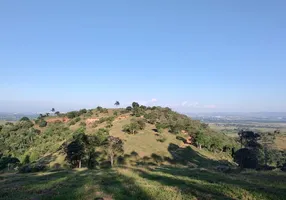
194	56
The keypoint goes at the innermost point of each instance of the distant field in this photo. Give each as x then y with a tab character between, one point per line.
261	126
232	130
2	122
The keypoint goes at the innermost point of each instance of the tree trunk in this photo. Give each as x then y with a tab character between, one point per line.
79	164
111	160
200	146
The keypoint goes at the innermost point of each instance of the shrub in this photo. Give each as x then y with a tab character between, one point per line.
134	126
102	119
77	119
72	114
141	124
82	111
32	168
43	123
82	124
109	124
72	122
124	111
161	138
94	124
128	108
25	124
24	119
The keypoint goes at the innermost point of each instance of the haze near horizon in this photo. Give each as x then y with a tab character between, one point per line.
213	56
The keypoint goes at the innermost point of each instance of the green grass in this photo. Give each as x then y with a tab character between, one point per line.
144	183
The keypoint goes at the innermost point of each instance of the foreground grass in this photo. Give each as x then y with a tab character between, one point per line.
144	183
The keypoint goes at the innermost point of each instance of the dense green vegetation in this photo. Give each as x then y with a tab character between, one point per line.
159	149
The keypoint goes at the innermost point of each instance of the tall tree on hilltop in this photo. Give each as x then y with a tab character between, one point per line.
117	103
135	104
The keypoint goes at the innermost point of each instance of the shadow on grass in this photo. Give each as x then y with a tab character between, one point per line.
206	183
188	156
88	184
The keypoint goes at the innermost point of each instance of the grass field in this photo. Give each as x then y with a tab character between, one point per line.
144	183
280	140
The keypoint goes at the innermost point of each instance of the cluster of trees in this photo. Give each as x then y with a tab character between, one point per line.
22	138
175	123
81	151
258	151
134	126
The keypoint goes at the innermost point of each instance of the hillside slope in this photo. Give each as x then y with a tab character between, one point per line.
42	140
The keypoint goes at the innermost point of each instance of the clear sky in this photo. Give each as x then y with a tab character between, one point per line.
195	56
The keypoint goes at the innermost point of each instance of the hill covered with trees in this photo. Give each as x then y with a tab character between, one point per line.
142	143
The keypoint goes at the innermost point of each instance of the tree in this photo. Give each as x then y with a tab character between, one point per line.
128	108
132	128
41	116
82	111
26	159
57	113
267	140
248	138
43	123
24	119
72	114
137	111
201	139
117	103
141	123
75	150
135	105
53	109
159	127
114	148
246	158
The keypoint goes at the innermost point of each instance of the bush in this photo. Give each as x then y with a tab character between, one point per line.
72	114
128	108
124	111
4	161
32	168
161	138
134	126
43	123
109	125
77	119
82	124
24	119
141	124
82	111
25	124
72	122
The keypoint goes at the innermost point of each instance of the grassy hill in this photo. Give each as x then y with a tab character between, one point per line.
169	156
